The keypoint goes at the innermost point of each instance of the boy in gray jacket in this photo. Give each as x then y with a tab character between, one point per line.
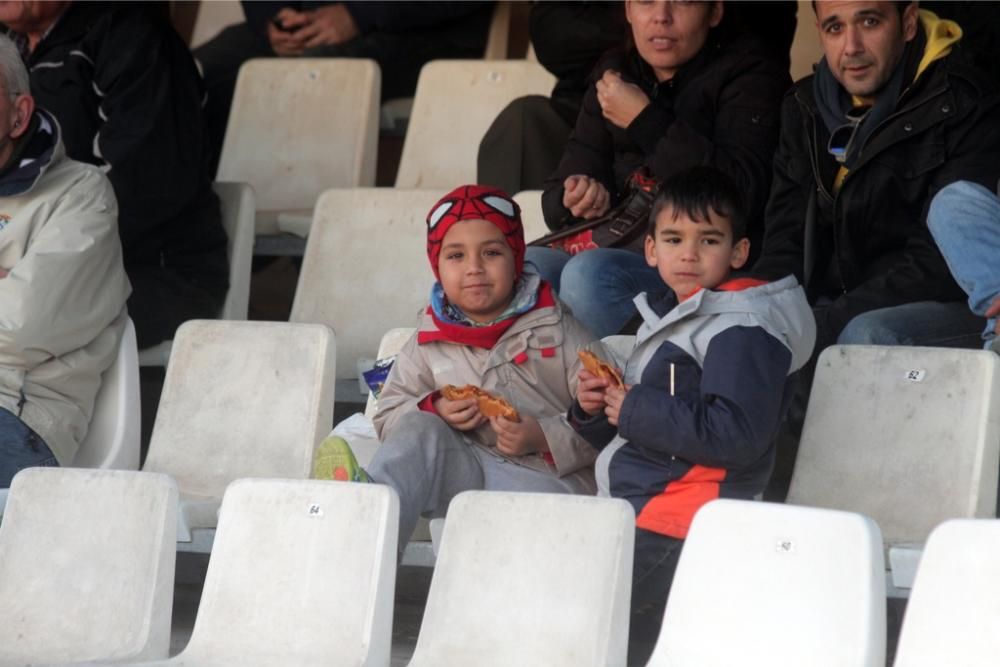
705	386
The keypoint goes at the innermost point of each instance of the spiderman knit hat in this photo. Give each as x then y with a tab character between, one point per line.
475	202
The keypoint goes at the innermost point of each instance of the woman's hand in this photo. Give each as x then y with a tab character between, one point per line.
585	197
620	102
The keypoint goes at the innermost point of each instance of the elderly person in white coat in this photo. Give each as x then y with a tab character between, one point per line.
62	283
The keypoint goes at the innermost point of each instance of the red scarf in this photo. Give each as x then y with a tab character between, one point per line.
484	337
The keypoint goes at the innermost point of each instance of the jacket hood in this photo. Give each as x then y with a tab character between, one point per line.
41	149
941	35
780	308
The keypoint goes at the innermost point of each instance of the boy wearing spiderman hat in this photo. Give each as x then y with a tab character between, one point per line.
495	324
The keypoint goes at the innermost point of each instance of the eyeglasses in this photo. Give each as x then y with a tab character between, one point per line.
842	138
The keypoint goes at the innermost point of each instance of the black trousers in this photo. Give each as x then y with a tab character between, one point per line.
162	299
653	568
523	146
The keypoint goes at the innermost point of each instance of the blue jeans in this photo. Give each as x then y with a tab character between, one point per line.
929	323
20	448
598	285
964	218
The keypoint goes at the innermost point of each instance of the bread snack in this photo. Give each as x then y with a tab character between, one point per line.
602	369
453	393
490	405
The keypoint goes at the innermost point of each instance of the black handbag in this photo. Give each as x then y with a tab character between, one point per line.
622	227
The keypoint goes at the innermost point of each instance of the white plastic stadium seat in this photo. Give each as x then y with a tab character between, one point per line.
212	17
530	202
112	439
530	579
236	201
365	269
240	399
499	33
299	126
86	566
238	207
455	103
157	355
909	436
768	585
394	115
952	615
302	574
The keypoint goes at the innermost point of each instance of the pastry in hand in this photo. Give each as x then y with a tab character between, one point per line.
490	405
453	393
600	368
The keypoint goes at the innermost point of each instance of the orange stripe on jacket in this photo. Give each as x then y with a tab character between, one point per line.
734	285
671	512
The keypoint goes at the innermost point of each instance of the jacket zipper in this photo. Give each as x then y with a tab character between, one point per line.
814	160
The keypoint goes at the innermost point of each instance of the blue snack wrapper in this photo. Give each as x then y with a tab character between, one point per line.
375	378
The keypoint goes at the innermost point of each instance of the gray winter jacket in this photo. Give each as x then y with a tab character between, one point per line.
534	365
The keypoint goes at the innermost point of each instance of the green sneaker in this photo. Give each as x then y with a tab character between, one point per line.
335	460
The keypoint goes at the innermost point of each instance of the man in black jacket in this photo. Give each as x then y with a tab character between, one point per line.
893	114
127	96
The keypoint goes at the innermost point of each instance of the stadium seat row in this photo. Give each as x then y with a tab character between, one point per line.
909	436
301	126
303	573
